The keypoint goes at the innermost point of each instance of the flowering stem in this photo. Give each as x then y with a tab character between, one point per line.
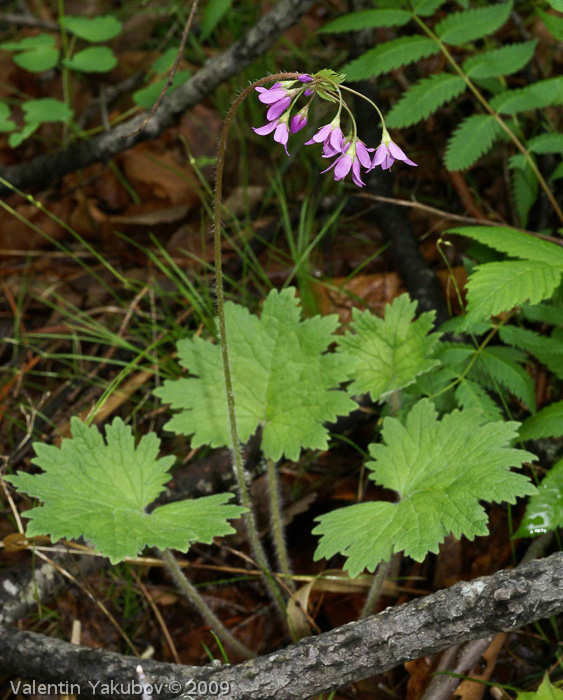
240	476
359	94
276	520
484	103
193	595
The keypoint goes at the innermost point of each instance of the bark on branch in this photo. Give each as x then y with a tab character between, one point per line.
502	602
43	170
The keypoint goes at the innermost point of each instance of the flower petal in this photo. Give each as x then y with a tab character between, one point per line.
356	174
363	155
281	135
266	129
343	167
272	96
380	155
277	109
335	138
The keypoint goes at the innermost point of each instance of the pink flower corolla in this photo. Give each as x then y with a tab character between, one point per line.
299	120
279	97
354	155
331	137
280	129
387	153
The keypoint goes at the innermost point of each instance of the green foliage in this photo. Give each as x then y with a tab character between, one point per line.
546	691
472	139
281	380
390	353
503	61
440	471
426	8
93	29
424	98
535	96
553	23
544	511
471	395
500	286
34	53
492	366
389	56
548	351
147	96
101	491
525	187
212	14
366	19
468	25
547	423
95	59
37	112
546	143
6	124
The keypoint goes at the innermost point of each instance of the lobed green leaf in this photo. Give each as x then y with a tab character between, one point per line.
93	29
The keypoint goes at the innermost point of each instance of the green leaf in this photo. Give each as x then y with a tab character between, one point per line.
544	511
93	29
165	61
212	14
515	243
426	8
38	53
440	471
525	189
100	491
390	353
147	96
553	24
46	109
366	19
470	395
544	313
556	4
472	139
548	351
19	137
6	124
389	56
424	98
546	691
504	61
535	96
557	173
501	365
547	423
468	25
493	367
500	286
96	59
281	380
546	143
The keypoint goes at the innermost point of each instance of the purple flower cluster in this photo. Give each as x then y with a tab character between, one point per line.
349	153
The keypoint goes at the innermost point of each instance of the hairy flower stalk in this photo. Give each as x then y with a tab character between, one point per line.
350	155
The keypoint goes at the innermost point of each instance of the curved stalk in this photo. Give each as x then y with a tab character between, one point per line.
191	593
240	476
375	590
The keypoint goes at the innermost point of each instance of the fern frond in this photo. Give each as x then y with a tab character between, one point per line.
503	61
541	94
472	139
468	25
498	365
425	98
389	56
548	351
546	143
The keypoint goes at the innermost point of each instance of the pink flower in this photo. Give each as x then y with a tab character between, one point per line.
331	137
280	129
278	97
387	153
354	155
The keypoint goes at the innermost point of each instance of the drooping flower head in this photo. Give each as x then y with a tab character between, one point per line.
388	152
